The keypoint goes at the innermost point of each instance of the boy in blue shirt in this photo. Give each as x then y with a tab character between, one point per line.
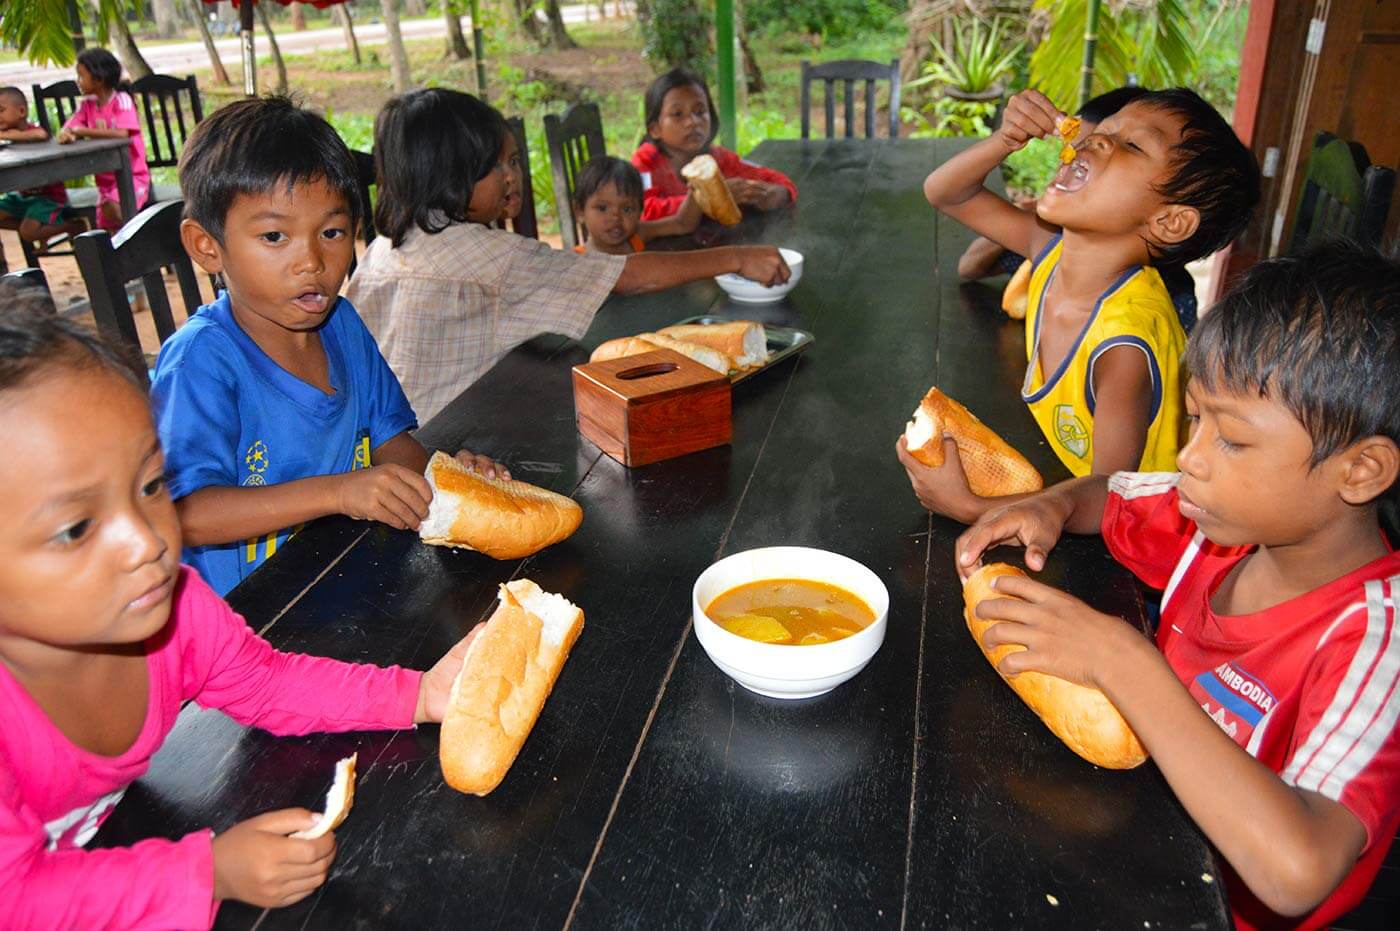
273	403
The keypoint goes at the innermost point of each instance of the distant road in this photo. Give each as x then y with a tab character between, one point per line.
182	57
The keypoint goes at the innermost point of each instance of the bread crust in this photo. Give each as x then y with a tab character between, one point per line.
711	193
993	468
504	519
743	341
1016	295
507	674
711	358
1082	717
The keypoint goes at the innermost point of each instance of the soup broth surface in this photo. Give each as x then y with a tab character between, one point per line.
790	612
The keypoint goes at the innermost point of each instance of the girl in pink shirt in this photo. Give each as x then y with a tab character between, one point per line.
104	635
108	112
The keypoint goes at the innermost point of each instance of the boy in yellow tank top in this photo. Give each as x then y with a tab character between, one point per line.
1163	180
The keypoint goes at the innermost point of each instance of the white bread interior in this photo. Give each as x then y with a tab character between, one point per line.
339	799
701	168
744	341
712	359
919	431
711	193
504	519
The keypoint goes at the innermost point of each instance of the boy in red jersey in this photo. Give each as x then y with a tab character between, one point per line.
1271	707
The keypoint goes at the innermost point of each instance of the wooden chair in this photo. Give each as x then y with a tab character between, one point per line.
53	105
525	224
574	139
148	242
848	72
1343	194
172	110
364	165
27	285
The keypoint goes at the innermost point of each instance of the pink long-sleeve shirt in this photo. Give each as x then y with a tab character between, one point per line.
54	795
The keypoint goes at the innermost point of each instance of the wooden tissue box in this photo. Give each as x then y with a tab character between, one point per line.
653	406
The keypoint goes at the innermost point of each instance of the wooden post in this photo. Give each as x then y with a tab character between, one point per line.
477	50
724	55
1091	39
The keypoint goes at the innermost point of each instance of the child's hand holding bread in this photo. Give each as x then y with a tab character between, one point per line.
1028	115
255	861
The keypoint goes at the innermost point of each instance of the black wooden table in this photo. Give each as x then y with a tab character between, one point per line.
655	792
34	164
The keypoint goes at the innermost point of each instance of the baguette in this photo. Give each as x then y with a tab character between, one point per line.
506	676
1082	717
1016	295
502	518
992	467
647	342
741	340
711	193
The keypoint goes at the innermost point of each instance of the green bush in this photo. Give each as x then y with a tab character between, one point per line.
830	19
1029	171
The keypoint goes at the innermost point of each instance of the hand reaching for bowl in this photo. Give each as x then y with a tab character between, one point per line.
763	264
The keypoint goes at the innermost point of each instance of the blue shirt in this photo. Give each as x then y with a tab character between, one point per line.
229	415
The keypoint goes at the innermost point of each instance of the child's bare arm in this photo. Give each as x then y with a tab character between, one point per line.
655	271
681	223
1122	410
405	450
69	133
33	134
1036	522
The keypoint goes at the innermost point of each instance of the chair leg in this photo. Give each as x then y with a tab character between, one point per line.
31	255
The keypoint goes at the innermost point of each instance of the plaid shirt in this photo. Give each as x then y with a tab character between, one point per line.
445	307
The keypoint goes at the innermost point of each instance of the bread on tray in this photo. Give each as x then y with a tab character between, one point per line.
504	519
743	341
992	467
711	193
712	359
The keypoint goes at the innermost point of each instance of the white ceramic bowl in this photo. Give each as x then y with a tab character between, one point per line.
789	671
746	291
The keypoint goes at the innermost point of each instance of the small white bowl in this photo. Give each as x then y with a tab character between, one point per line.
789	671
747	291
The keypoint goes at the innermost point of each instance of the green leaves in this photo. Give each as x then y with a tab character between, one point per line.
976	62
41	29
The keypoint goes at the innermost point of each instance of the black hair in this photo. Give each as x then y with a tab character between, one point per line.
15	94
431	147
605	170
663	85
250	147
33	340
1317	331
104	67
1211	170
1100	108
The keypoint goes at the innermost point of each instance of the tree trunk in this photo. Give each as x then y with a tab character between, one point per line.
167	20
414	7
215	63
456	42
558	36
525	16
753	75
127	51
298	17
398	57
342	13
282	86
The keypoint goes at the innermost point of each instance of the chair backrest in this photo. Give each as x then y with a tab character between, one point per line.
574	139
172	109
1343	194
27	284
525	223
148	242
848	72
364	166
62	96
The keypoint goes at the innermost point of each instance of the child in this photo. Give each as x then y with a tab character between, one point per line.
273	403
108	112
682	123
1163	180
36	213
608	196
1279	611
104	636
445	294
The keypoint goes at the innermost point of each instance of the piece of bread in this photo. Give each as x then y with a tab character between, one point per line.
1082	717
992	467
741	340
339	798
1017	292
712	359
506	676
503	519
711	193
620	348
1068	129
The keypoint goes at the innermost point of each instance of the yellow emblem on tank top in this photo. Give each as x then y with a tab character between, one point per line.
1070	431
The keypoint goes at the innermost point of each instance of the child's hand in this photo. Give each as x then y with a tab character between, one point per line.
1029	115
689	215
256	862
1035	522
436	684
748	192
1062	636
763	264
941	489
65	136
482	464
387	493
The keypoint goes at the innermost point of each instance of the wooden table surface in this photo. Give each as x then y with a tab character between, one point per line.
34	164
654	792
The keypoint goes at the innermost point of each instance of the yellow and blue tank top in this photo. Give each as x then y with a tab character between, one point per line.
1135	311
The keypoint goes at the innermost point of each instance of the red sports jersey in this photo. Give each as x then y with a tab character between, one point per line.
1307	687
663	191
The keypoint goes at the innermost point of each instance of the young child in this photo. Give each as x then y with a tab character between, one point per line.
1162	181
108	112
273	403
681	123
445	294
104	636
1271	707
36	213
608	196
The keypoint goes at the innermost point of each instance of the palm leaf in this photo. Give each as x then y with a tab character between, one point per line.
40	28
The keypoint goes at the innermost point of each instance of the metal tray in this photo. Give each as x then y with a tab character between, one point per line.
783	341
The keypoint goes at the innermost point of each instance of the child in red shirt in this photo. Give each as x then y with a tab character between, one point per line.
1270	700
681	123
608	198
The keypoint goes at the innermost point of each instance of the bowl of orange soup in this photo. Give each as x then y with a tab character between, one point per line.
789	621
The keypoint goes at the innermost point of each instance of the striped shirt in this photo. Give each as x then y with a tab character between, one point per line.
1308	687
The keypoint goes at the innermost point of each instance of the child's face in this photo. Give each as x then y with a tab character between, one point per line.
284	256
87	84
497	196
611	217
89	539
14	113
684	126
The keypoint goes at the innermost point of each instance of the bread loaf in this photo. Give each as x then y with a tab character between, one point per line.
712	359
992	467
1017	292
1082	717
506	676
743	341
711	193
503	519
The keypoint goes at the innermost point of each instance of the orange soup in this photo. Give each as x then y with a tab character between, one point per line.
790	612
